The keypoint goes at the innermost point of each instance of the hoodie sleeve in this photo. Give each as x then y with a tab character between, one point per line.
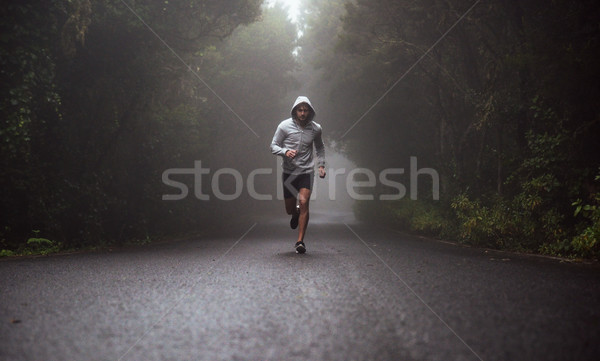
320	148
277	142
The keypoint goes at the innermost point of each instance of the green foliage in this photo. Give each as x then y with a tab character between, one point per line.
531	218
6	253
420	216
587	242
497	226
36	245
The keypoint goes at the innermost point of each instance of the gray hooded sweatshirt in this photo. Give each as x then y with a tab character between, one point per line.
292	136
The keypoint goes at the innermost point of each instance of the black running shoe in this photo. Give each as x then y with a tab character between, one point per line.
295	216
300	247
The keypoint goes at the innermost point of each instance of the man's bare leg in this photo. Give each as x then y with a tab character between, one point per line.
291	208
304	198
290	205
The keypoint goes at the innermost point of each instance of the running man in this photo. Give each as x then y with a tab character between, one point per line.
293	141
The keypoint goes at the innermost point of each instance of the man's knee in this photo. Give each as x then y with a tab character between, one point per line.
304	200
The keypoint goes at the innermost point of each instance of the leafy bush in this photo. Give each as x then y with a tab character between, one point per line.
495	226
6	253
587	242
38	245
420	216
525	222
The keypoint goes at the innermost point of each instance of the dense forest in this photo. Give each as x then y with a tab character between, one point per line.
99	98
500	97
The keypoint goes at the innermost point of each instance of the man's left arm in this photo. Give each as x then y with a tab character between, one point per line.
320	148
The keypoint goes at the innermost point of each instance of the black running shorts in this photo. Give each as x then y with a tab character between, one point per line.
293	182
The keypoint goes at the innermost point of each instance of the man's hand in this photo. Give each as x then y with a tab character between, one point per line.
322	172
291	153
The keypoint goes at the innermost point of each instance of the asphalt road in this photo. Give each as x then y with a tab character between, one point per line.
359	293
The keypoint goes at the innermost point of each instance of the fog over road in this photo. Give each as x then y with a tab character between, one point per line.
359	293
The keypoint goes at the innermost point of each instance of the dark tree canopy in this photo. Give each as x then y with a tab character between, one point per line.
501	98
100	97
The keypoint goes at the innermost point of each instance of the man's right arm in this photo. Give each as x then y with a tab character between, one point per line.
277	143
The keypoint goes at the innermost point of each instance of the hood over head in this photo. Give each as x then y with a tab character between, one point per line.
305	100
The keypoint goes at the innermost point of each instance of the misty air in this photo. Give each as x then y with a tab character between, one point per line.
300	180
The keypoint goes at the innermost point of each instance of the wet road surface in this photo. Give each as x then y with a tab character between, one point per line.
359	293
